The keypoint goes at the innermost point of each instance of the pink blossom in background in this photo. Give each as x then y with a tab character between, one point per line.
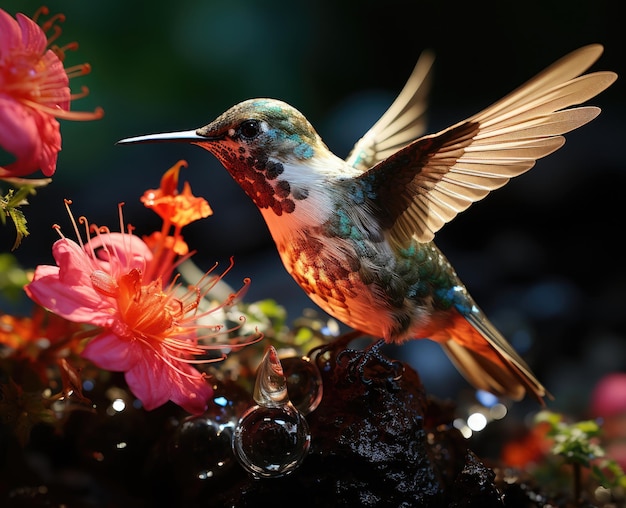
34	92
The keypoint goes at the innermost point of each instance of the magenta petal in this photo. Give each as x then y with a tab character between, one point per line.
121	251
19	136
50	135
149	380
10	32
154	382
110	352
33	137
45	271
67	290
191	393
76	266
71	304
34	39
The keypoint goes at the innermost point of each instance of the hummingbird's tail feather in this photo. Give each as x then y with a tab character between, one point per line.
487	360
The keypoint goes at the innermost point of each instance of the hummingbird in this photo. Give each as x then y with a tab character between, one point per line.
357	234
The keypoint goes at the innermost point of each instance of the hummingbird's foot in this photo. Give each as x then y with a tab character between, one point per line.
331	351
370	365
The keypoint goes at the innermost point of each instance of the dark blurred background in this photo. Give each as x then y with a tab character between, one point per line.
542	256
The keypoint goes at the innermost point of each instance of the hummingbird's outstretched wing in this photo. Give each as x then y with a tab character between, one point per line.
427	183
402	123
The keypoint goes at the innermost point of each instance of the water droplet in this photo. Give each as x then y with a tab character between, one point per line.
201	446
272	438
304	383
270	441
270	388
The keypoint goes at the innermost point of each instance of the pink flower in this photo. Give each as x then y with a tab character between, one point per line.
149	331
34	92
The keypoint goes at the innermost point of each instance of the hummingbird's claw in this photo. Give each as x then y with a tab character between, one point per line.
371	366
327	352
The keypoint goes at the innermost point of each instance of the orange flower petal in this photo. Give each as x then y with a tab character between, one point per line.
176	208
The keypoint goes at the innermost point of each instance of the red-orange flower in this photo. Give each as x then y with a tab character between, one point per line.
23	335
42	341
528	449
176	209
34	92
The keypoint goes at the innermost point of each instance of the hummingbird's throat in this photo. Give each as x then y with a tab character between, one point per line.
259	177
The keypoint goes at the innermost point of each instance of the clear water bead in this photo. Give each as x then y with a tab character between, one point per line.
270	442
201	448
270	387
271	438
304	383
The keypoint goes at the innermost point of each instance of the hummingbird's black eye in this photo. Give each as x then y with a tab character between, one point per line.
249	129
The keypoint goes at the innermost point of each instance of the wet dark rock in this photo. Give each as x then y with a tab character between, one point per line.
377	441
374	444
478	480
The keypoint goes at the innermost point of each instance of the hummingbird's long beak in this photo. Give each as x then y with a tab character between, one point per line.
166	137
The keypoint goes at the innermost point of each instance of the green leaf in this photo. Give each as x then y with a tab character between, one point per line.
589	427
19	220
10	204
548	416
303	335
576	444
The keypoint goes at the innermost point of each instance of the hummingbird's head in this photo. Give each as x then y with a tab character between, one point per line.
262	128
267	146
259	128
